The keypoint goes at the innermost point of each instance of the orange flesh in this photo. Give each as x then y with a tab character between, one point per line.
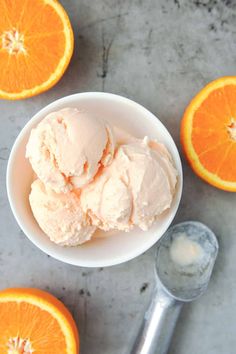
36	44
28	322
27	327
210	136
208	133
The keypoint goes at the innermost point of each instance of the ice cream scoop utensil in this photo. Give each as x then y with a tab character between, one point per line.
180	279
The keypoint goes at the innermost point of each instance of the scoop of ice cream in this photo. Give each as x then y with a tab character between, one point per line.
60	216
134	190
108	202
67	148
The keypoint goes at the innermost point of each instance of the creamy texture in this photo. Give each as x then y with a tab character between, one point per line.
185	252
134	190
67	148
60	215
89	179
122	137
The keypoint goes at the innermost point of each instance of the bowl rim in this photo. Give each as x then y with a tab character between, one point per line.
64	258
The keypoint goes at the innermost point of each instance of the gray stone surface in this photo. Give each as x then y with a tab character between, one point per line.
159	53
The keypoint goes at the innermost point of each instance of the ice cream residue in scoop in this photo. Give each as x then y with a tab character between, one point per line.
185	252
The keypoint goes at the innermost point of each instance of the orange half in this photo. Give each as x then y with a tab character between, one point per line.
208	133
33	321
36	45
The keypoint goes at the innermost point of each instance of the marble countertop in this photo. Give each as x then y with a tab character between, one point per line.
159	53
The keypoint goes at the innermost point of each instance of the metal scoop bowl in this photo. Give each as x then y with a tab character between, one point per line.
179	280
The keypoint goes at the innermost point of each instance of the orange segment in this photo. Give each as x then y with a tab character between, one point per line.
33	321
36	45
230	92
227	168
206	129
208	133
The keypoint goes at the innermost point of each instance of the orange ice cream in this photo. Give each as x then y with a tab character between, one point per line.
90	176
134	190
60	215
67	148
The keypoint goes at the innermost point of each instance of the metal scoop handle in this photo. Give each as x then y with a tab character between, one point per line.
158	325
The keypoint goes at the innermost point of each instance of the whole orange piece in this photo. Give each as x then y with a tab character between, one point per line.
36	45
208	133
33	321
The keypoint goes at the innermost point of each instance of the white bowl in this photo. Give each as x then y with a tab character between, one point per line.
119	246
